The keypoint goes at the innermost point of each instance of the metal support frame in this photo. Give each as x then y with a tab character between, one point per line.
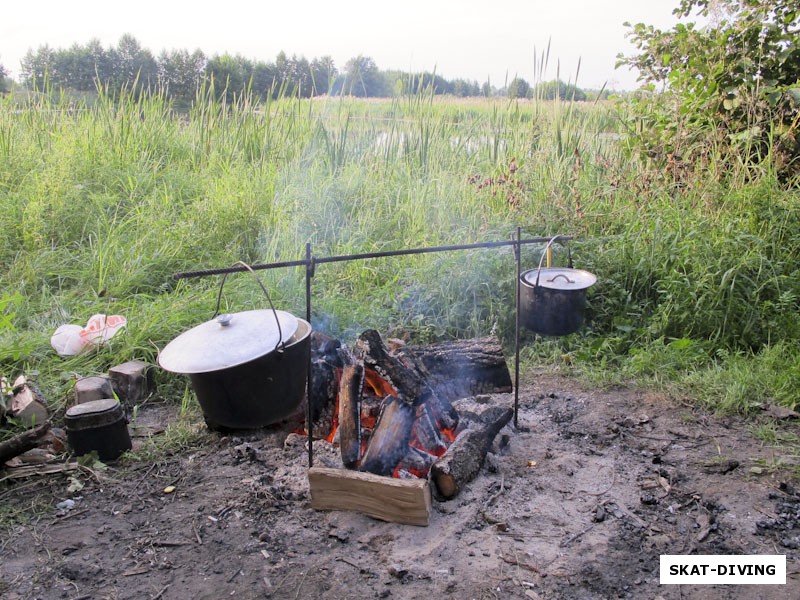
310	263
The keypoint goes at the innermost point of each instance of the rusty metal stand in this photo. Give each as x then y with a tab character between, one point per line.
517	297
310	267
310	263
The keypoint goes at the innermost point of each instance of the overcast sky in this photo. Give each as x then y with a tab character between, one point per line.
468	39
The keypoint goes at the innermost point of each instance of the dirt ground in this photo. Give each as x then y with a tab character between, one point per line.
579	501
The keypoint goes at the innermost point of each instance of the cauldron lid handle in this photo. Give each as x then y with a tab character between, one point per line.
281	345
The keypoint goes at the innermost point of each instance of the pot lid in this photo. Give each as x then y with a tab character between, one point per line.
93	407
559	278
227	341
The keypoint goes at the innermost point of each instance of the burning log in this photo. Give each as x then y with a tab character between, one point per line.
369	347
390	437
350	387
425	433
464	458
405	378
405	501
461	368
324	362
416	463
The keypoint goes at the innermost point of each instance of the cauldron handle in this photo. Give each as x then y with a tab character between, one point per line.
561	275
281	344
546	248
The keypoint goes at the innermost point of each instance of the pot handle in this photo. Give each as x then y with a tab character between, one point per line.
546	248
561	275
281	344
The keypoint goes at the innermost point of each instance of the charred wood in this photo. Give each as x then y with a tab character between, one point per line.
390	437
325	348
350	386
369	347
425	434
325	361
416	462
462	368
405	376
465	456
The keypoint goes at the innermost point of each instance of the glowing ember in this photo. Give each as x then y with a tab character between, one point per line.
432	444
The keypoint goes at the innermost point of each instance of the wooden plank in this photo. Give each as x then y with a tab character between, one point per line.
406	501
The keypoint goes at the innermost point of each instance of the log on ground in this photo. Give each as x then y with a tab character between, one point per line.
22	442
465	456
405	501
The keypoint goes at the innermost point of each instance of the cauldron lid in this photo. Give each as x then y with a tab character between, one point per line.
228	341
559	278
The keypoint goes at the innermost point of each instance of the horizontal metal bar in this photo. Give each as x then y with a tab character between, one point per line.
364	256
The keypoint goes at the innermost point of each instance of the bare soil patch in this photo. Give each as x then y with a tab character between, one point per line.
579	501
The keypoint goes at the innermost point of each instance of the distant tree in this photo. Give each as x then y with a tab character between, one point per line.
264	80
76	68
486	89
428	81
180	73
100	61
3	76
550	90
37	68
283	72
362	78
229	74
464	89
518	88
300	80
323	75
132	64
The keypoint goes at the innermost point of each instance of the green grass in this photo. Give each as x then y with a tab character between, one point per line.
103	201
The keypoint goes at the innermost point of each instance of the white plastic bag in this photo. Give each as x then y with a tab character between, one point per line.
69	340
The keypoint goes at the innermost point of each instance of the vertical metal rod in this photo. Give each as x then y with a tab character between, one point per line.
517	254
310	418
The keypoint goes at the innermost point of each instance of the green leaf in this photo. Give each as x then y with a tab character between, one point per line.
681	344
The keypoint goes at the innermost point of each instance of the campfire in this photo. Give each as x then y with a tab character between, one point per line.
403	415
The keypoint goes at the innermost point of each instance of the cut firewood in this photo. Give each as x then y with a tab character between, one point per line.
350	414
22	442
405	501
462	368
389	441
465	456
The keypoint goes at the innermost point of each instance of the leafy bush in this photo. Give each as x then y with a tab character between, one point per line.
731	88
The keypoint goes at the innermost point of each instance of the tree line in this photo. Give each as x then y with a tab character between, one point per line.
179	74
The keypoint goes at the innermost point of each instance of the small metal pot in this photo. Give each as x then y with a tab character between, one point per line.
553	299
98	426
